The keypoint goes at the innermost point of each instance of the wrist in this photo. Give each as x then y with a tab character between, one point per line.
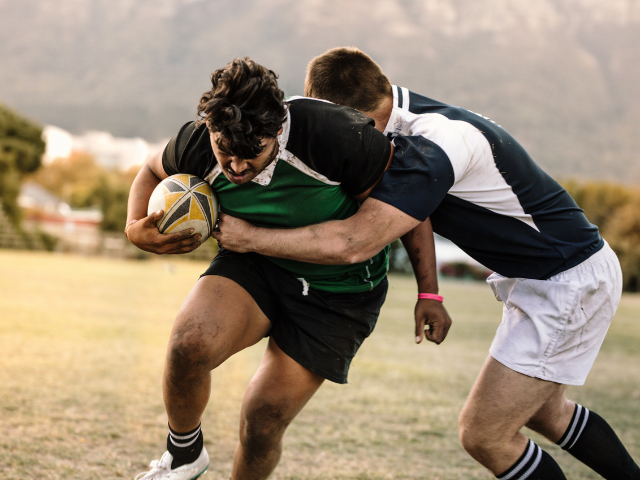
427	284
430	296
126	227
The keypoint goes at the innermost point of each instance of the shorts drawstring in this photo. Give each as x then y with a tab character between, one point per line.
305	287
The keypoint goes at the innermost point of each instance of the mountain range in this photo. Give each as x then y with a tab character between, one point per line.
563	76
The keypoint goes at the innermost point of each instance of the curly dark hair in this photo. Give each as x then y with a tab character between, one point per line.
245	105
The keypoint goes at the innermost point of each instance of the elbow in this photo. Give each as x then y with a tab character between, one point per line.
346	244
356	258
340	251
340	255
352	252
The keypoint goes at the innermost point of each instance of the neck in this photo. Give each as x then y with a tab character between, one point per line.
382	113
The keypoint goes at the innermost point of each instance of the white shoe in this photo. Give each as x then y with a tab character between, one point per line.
161	469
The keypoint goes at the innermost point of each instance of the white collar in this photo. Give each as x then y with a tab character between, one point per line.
396	119
265	176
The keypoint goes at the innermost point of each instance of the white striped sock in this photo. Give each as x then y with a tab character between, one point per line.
183	441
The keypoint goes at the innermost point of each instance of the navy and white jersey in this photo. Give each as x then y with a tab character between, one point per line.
481	190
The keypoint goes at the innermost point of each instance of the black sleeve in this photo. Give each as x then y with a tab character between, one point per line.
368	162
189	152
338	142
418	179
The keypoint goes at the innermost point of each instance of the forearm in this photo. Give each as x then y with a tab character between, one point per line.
327	243
337	242
429	313
421	250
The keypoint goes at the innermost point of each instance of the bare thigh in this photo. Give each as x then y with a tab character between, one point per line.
218	318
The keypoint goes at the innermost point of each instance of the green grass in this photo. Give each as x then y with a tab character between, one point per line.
82	344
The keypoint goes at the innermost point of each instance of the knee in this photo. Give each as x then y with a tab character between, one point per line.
476	439
472	441
263	428
190	351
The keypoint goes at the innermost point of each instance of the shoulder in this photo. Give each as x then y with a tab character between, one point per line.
323	129
317	118
337	142
193	136
457	133
189	151
447	125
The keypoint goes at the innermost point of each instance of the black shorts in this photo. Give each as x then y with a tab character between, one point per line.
322	331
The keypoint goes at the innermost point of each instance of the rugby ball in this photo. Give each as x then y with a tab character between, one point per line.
187	202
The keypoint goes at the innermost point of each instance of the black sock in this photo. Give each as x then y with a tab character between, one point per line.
534	464
185	447
590	439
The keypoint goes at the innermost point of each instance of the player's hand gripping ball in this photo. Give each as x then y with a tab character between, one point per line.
187	202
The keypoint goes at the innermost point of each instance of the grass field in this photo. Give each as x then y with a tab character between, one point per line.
82	344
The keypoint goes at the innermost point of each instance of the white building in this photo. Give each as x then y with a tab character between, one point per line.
109	151
59	143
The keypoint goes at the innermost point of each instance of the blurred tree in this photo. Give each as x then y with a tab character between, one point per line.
73	179
81	182
624	237
615	209
111	196
21	149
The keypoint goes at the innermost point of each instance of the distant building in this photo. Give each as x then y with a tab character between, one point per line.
110	152
76	229
59	143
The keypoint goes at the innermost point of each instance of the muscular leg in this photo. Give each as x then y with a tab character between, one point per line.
218	319
501	402
276	394
552	419
589	438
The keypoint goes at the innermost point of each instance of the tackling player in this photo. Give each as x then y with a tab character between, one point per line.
279	164
559	280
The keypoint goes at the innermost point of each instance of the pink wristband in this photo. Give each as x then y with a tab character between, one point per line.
430	296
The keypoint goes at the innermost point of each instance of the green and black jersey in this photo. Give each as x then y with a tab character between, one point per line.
326	154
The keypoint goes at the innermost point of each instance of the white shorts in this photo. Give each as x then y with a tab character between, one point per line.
553	329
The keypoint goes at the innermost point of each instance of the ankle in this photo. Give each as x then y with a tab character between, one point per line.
185	447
